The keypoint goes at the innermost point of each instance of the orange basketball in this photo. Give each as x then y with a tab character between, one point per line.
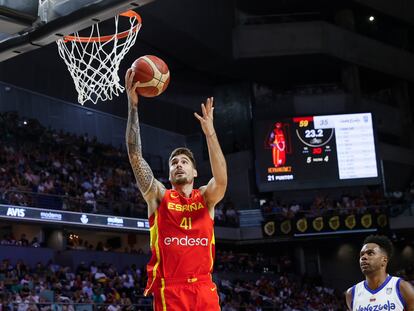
153	75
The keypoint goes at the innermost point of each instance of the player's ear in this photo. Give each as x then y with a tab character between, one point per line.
195	172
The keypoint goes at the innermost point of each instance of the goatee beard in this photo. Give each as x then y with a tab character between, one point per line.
181	181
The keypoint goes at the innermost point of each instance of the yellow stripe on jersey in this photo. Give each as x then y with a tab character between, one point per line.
213	242
164	305
154	244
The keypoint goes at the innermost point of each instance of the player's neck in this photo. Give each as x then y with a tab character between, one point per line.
185	190
376	280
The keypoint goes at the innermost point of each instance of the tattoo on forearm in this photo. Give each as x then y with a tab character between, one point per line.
142	171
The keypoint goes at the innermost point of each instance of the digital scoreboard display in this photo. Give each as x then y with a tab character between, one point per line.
315	152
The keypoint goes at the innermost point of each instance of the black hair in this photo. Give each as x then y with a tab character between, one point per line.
383	242
185	151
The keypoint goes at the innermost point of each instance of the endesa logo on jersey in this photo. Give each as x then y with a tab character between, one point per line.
379	307
186	241
185	207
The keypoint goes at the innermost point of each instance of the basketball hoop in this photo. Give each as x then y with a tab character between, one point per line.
93	62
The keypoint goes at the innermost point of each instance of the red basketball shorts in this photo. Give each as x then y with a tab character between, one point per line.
194	294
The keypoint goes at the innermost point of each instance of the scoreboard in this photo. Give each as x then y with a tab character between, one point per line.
315	152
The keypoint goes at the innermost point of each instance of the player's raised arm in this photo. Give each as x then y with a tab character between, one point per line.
215	189
151	189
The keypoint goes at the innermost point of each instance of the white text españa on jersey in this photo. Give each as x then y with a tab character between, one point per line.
184	207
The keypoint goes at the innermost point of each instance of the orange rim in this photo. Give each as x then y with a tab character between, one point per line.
120	35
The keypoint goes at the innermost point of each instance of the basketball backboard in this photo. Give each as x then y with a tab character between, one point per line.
26	25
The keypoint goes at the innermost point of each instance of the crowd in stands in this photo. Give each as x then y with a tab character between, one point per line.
348	203
66	171
285	293
50	286
71	244
407	273
252	281
54	287
277	287
270	283
40	167
9	239
225	213
229	261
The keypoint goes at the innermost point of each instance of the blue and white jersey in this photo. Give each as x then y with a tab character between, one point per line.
384	298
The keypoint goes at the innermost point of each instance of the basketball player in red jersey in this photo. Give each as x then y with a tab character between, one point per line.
181	218
278	142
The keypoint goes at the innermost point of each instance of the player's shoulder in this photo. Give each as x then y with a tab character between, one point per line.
200	194
350	291
405	285
398	281
349	294
158	196
355	287
406	293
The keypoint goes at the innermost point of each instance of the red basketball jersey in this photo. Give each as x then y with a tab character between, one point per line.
182	239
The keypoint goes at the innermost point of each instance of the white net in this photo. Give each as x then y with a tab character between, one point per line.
93	61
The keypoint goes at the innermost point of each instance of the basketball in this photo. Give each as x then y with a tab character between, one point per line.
153	75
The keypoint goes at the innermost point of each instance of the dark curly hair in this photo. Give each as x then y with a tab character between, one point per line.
383	242
185	151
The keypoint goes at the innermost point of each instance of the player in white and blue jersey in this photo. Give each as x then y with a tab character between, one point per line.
380	291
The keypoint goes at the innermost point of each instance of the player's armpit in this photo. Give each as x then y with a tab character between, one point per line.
154	196
213	192
407	293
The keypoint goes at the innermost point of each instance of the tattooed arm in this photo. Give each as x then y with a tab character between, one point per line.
151	189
